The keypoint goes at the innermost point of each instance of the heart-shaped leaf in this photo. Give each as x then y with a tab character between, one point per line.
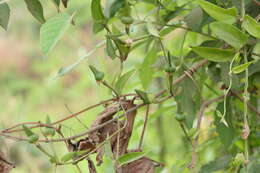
52	31
215	54
229	34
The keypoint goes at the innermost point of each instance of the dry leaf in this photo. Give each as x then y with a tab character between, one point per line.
5	166
142	165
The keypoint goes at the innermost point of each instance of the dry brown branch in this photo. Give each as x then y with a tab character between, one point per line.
78	135
38	124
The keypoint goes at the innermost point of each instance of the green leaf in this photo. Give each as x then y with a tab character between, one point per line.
97	15
194	19
146	71
226	132
143	96
251	26
67	157
152	29
216	165
225	15
4	14
35	8
33	138
48	131
54	160
27	131
96	10
109	159
52	30
256	50
186	102
110	49
214	54
229	34
130	157
57	4
48	120
112	7
121	82
241	68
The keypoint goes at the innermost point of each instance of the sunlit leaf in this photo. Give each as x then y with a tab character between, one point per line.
214	54
4	14
35	8
229	34
121	82
241	68
52	31
130	157
251	26
225	15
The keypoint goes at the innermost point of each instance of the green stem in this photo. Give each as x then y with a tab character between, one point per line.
110	87
43	150
246	98
186	133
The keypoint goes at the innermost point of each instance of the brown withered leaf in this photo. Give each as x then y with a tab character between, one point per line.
119	147
142	165
5	166
126	133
